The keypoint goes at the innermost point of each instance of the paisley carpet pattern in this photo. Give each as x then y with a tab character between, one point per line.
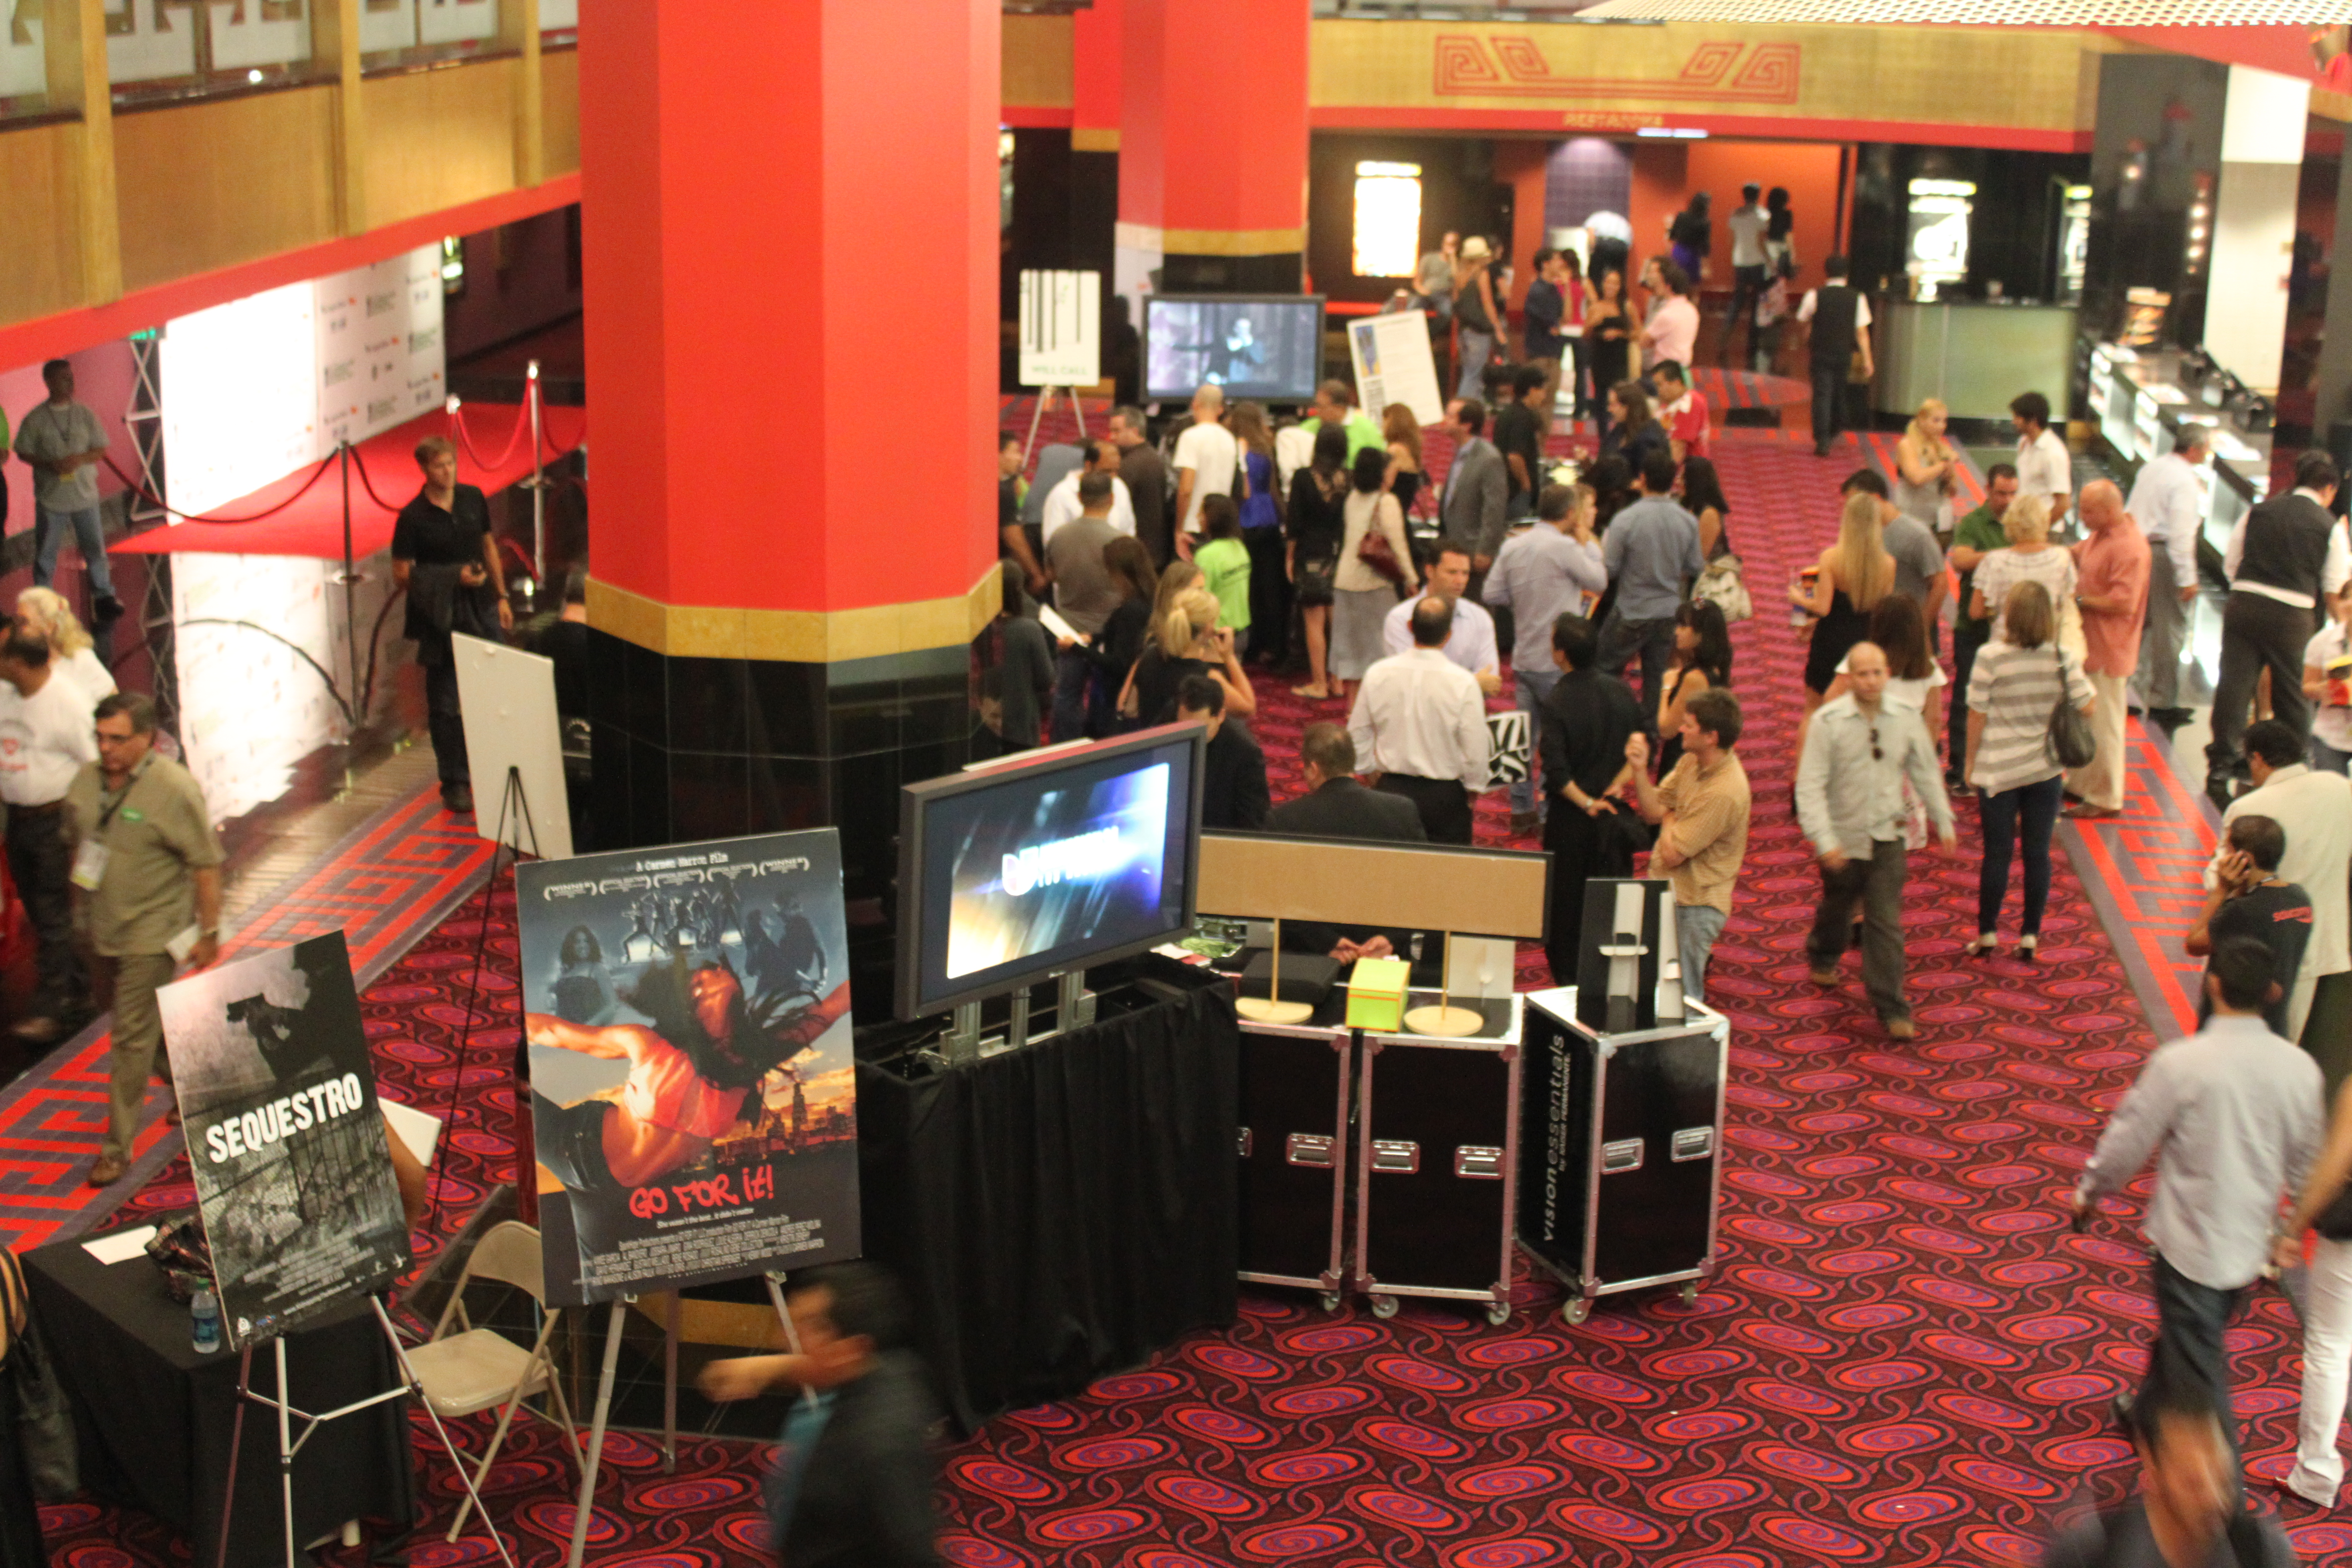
1902	1358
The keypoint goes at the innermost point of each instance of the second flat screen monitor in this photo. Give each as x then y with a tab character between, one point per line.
1264	346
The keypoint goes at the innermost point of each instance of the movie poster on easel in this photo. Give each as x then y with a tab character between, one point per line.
294	1181
693	1097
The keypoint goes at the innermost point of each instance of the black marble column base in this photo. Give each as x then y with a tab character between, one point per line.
1182	273
687	749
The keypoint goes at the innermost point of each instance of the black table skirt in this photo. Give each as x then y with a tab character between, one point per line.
1061	1212
153	1417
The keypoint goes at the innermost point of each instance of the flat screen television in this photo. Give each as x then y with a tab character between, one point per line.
1266	346
1045	863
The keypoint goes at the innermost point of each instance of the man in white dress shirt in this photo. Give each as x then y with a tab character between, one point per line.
45	738
2044	466
1472	643
1420	726
1062	503
2169	502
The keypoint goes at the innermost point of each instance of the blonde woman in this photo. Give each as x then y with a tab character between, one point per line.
44	611
1187	640
1362	597
1926	467
1849	580
1401	431
2029	558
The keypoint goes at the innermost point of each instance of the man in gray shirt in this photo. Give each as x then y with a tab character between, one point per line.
1858	751
2232	1116
1652	550
1084	593
62	442
1919	559
1541	575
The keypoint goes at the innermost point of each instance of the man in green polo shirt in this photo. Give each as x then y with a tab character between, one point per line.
1979	535
1335	400
147	867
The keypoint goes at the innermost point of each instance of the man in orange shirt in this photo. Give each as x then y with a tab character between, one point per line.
2111	567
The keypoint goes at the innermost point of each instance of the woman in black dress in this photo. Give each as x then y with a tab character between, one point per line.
1849	580
1317	526
1607	334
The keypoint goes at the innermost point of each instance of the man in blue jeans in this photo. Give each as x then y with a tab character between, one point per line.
62	442
1651	550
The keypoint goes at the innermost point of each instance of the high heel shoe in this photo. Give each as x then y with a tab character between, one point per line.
1983	944
2025	946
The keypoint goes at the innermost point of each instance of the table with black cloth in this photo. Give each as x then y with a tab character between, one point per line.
1060	1212
153	1417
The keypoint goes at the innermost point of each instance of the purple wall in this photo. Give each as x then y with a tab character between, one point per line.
1587	174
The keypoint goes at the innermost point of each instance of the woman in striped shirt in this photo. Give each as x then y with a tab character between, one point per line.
2017	682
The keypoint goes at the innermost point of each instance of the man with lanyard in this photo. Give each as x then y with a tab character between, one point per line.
443	553
148	866
45	739
2167	501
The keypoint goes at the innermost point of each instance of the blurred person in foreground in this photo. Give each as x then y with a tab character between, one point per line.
854	1473
2189	1512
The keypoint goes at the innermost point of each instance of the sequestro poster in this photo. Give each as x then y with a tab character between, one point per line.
293	1177
693	1097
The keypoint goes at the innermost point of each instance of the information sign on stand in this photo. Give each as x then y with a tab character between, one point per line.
509	696
294	1182
1393	365
689	1006
1061	329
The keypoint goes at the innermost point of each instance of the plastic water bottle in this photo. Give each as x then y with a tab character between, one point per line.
204	1323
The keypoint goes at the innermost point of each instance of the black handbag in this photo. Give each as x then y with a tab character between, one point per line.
2070	744
45	1426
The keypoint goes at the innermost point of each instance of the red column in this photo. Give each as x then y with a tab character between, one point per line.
789	244
1213	145
789	240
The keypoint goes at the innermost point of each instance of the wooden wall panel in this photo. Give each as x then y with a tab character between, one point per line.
559	74
437	138
1038	69
203	186
40	246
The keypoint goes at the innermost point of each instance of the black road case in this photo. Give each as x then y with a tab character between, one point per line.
1621	1137
1438	1162
1294	1150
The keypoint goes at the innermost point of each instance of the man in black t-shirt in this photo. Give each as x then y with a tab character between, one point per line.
2249	899
1518	436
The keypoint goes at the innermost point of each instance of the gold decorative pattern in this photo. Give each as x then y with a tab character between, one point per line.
800	636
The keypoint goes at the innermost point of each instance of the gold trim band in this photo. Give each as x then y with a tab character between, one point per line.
1089	139
800	637
1211	241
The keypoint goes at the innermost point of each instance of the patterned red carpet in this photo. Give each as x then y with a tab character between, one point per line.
1903	1358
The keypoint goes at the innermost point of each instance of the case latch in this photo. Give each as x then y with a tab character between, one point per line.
1396	1156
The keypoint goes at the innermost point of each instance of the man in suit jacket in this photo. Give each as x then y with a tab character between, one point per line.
1232	794
1477	488
1336	806
2287	560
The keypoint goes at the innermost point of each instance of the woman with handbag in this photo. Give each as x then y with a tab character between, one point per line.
1316	527
2024	697
1375	560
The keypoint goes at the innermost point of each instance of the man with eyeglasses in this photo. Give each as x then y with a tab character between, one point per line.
1858	751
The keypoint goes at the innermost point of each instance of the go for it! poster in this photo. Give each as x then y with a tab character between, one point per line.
692	1092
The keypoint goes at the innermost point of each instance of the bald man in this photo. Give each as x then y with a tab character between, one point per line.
1206	454
2111	576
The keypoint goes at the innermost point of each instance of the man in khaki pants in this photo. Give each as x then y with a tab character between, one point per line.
2111	576
147	867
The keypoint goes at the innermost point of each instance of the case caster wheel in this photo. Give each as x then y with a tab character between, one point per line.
1498	1314
1577	1310
1384	1306
1690	1294
1331	1299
